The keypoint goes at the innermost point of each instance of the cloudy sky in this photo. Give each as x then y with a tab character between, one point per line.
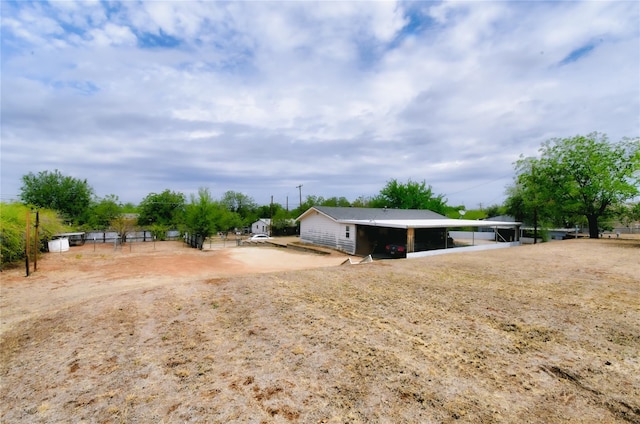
340	97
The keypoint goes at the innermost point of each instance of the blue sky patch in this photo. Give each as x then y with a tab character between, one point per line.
577	54
85	88
161	40
418	21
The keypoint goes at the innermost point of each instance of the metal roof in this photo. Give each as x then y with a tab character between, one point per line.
428	223
400	218
340	214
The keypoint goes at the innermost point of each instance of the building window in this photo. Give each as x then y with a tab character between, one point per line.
346	233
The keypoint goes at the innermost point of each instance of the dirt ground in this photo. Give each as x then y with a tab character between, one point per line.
163	333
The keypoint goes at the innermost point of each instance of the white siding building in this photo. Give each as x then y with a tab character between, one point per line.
367	231
261	226
321	229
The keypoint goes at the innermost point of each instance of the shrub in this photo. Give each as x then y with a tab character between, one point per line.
13	219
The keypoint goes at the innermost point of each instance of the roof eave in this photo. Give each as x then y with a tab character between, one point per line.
429	223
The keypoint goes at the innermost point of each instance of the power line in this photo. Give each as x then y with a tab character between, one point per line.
479	185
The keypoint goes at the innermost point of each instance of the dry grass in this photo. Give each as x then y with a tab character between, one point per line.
545	333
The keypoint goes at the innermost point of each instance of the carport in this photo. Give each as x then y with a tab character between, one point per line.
424	235
367	231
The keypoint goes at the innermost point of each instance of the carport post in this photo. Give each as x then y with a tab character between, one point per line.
410	240
446	237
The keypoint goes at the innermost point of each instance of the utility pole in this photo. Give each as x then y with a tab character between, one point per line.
271	217
300	192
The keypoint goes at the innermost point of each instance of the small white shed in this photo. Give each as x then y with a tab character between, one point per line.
261	226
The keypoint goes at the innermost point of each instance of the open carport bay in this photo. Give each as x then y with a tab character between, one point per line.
372	240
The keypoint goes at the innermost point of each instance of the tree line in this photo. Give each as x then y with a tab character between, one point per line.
202	214
581	180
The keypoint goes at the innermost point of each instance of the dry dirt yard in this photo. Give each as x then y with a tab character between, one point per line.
539	333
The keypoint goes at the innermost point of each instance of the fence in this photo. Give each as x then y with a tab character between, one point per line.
112	236
194	240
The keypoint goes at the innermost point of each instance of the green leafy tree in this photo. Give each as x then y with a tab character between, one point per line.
129	208
226	220
281	221
71	197
628	215
362	202
262	211
634	212
164	210
494	210
271	211
340	202
240	204
202	215
412	195
102	212
307	203
582	176
527	201
474	214
515	203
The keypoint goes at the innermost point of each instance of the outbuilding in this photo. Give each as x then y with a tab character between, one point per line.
261	226
365	231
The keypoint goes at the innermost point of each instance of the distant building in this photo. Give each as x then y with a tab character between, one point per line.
261	226
275	227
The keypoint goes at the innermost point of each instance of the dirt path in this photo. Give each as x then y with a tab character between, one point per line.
89	272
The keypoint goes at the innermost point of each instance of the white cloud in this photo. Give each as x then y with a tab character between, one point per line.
338	96
112	34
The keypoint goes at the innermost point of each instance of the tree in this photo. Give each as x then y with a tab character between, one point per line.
494	210
362	202
280	222
308	202
226	220
102	212
525	200
515	203
271	211
412	195
71	197
340	202
13	218
129	208
123	226
239	203
634	212
579	176
162	210
628	215
201	216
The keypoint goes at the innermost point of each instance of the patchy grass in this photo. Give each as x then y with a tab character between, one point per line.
545	333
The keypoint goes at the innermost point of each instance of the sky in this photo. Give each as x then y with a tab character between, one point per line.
295	98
